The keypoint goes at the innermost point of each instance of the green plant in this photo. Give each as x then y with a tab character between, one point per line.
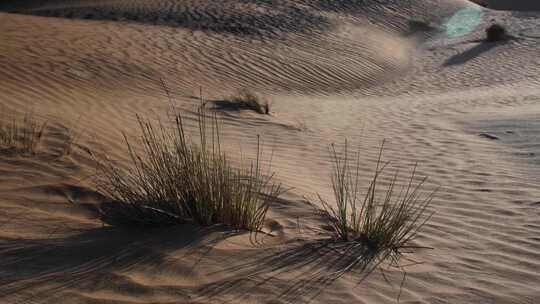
21	135
378	224
176	181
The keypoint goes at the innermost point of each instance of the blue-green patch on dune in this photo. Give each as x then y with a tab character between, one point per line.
463	22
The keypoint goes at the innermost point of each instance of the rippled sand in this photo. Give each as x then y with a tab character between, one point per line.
413	72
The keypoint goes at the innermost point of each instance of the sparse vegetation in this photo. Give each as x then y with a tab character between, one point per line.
245	100
21	135
378	224
496	32
175	181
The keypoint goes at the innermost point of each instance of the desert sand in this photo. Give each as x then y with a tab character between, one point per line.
416	73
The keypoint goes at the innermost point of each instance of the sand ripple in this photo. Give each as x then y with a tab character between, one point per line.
365	70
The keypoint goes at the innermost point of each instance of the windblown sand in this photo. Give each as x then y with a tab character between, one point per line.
414	72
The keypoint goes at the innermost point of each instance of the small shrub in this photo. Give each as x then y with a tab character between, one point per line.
21	136
496	32
376	225
245	100
174	181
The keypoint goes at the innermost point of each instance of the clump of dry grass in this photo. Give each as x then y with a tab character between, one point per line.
378	224
496	32
175	181
245	100
21	136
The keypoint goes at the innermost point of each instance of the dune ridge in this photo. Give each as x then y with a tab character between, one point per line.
362	70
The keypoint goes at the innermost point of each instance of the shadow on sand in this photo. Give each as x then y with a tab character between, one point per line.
293	272
218	17
295	275
475	51
43	267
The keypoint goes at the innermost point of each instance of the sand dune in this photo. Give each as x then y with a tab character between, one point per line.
414	72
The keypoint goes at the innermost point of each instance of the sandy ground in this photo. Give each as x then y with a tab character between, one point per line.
414	72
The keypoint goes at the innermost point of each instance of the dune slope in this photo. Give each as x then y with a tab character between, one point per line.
416	73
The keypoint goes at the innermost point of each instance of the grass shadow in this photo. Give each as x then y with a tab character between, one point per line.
295	275
28	264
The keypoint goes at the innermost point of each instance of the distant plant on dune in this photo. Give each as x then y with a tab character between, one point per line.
245	100
175	181
496	32
377	225
21	135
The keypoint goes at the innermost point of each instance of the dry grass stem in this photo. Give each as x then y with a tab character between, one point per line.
21	136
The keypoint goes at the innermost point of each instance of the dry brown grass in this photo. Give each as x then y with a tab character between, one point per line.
176	181
377	225
245	100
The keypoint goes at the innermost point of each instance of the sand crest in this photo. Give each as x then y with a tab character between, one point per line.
416	73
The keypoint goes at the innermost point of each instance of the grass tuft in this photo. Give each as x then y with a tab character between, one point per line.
380	223
496	32
21	136
245	100
175	181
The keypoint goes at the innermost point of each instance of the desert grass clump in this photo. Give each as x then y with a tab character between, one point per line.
174	180
246	100
496	32
378	224
21	136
